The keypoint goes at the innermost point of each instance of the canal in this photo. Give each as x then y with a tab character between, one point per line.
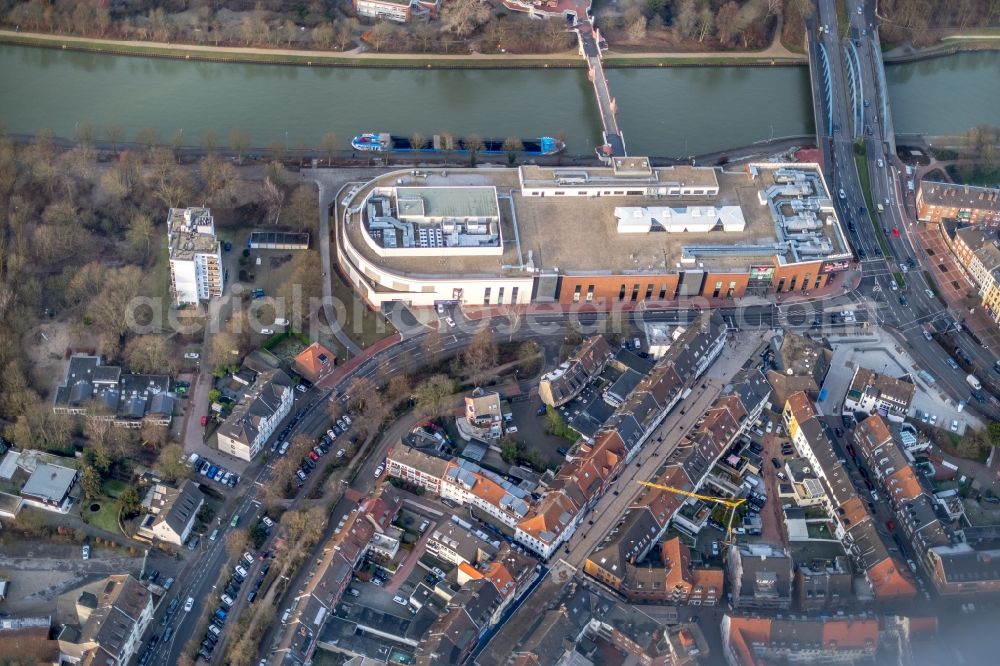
663	111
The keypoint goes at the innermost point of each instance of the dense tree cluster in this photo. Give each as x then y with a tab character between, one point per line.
744	24
917	20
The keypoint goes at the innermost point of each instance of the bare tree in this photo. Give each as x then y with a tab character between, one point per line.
381	34
148	137
433	395
417	141
473	144
463	17
328	144
480	357
239	142
209	141
114	134
512	146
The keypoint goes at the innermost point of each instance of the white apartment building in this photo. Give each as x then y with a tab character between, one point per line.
196	272
257	416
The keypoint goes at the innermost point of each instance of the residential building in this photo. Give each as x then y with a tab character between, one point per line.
113	614
762	641
314	362
823	584
872	392
453	543
104	392
977	249
256	417
574	11
399	11
416	467
484	415
963	570
760	576
25	640
964	203
467	483
196	272
171	512
561	385
49	487
800	364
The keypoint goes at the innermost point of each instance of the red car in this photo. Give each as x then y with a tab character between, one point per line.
891	525
895	232
313	456
204	421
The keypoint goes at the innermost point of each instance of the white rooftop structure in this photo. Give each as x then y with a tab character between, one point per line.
682	220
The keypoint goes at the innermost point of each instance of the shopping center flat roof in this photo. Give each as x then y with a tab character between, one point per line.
578	235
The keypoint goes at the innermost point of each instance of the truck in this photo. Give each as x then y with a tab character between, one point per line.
973	382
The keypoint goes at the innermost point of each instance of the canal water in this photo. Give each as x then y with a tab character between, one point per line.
663	111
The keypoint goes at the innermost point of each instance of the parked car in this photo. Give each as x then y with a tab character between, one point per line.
354	593
776	463
241	571
192	356
267	522
168	583
299	473
248	558
214	630
340	453
86	551
227	600
379	470
400	600
309	463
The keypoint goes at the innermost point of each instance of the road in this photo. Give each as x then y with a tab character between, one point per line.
860	111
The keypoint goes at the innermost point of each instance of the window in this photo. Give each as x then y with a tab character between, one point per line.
634	193
805	281
635	292
718	288
649	290
500	296
513	294
486	296
621	293
732	288
781	284
590	293
791	285
663	291
819	281
576	294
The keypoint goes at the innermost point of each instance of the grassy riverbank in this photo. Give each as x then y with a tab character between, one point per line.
382	60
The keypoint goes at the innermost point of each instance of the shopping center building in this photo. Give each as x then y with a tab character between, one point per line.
627	233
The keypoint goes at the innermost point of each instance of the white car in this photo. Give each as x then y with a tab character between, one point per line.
399	600
880	163
770	426
893	285
954	426
192	355
226	600
440	308
248	558
450	322
241	571
379	470
86	551
340	453
189	604
267	522
874	496
267	331
347	419
331	433
300	388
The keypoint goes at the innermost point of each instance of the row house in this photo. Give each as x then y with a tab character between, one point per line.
853	522
964	203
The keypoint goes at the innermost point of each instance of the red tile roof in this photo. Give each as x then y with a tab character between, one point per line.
889	582
310	362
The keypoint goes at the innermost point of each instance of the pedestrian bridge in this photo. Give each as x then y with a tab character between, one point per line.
590	48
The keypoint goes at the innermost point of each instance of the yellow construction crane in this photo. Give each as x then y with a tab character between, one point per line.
733	504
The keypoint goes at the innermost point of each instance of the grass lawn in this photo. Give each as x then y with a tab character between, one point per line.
106	518
371	328
114	488
866	189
